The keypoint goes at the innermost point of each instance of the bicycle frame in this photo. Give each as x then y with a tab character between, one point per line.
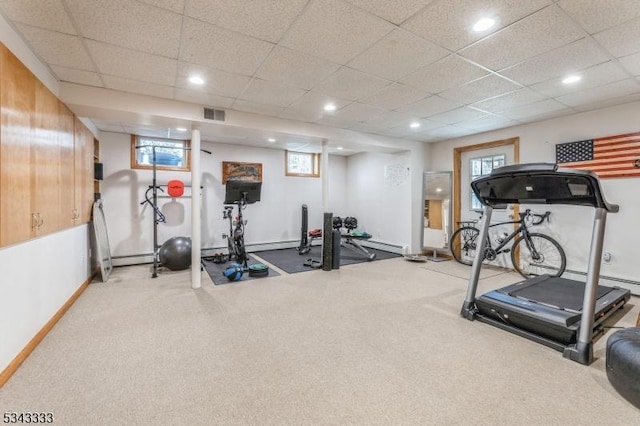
523	228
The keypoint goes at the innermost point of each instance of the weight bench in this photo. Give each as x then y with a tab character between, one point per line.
350	241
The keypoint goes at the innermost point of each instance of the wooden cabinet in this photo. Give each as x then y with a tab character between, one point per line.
46	158
17	94
83	171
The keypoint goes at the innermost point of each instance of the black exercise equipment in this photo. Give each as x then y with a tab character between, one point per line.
304	246
623	363
240	193
351	237
258	270
563	314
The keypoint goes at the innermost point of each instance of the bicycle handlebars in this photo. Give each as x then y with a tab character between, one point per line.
539	218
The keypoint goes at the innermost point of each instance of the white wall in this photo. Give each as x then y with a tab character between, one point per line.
38	277
275	219
571	226
383	206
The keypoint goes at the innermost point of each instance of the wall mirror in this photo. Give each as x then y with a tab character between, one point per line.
436	195
103	251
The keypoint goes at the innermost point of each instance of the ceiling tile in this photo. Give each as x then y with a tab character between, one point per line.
256	108
509	100
72	75
335	30
601	93
534	110
129	24
429	106
631	63
335	121
396	11
108	127
449	72
264	19
271	93
176	6
488	122
47	14
483	88
203	98
137	86
57	48
310	106
595	16
392	119
598	75
395	96
448	23
621	40
216	82
357	111
350	84
222	49
634	97
543	31
557	63
457	115
445	132
398	54
295	68
140	66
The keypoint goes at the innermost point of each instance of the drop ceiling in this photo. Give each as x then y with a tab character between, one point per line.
384	64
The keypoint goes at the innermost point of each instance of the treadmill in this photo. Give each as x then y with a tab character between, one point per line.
563	314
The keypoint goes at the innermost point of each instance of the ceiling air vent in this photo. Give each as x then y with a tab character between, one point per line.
214	114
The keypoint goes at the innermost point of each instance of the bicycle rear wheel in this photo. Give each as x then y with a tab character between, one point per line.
540	255
463	244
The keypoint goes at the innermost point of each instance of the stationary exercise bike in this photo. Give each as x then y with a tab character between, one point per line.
235	238
239	193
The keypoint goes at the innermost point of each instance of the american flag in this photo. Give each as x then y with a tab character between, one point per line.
610	157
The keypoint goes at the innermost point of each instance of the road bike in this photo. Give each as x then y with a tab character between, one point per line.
532	253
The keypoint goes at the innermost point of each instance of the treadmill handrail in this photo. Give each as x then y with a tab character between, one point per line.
541	183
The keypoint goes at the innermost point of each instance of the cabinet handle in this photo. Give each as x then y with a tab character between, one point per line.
34	221
75	215
40	221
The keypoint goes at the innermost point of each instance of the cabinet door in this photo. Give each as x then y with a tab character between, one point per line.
45	163
17	98
70	217
83	142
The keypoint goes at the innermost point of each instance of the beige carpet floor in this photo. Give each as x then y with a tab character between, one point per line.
374	343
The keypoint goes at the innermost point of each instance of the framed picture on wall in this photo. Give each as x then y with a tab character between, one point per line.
248	172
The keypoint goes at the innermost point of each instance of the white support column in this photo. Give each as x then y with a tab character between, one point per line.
324	172
196	236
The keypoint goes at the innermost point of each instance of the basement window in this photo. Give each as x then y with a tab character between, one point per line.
170	154
303	164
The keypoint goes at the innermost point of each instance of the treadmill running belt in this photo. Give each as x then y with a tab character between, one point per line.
559	292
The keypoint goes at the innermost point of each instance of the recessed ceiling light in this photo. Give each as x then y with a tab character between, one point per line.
181	129
196	79
438	189
571	79
329	107
340	148
484	24
414	125
271	140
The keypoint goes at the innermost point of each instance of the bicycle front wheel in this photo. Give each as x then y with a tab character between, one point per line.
539	255
463	244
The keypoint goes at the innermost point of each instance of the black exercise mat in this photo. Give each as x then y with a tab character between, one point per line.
290	261
215	271
559	292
